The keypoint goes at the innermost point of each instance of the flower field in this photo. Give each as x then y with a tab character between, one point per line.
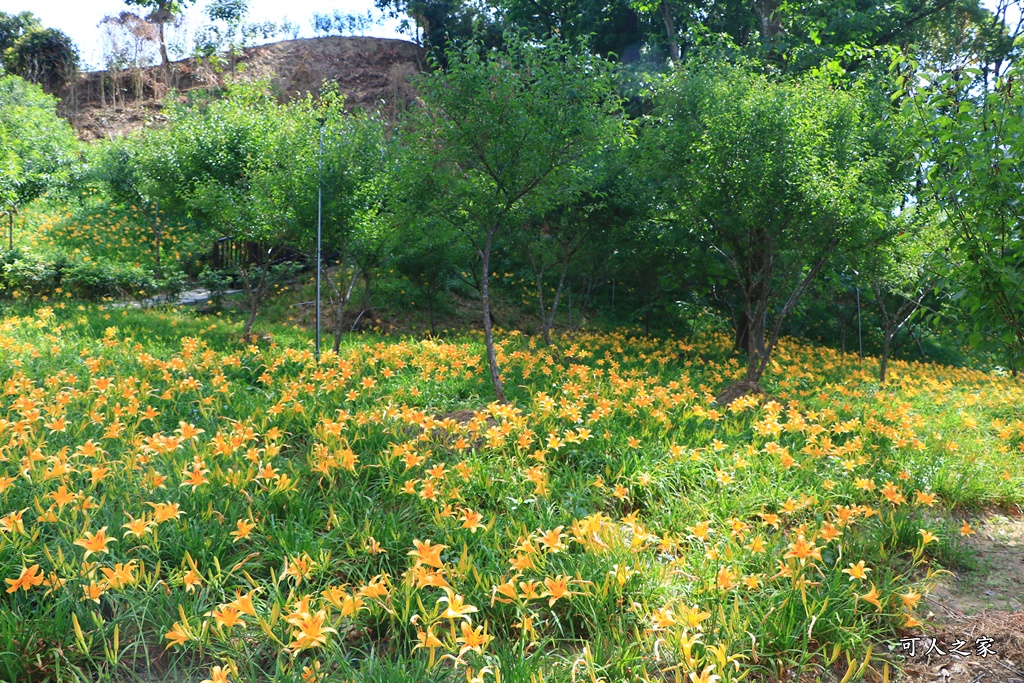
97	231
178	506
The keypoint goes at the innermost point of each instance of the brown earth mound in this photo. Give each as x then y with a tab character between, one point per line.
373	73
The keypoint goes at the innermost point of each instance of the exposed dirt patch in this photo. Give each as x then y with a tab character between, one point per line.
997	583
737	390
463	417
372	73
981	609
991	647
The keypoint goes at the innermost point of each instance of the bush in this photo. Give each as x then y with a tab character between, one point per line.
26	273
97	279
218	282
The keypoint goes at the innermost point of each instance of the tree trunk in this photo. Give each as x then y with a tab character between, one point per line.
549	324
253	295
794	297
341	299
750	339
742	332
492	360
670	30
253	308
568	294
339	324
547	320
883	364
165	61
752	375
770	24
542	308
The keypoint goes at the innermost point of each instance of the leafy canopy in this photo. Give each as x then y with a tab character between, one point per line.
38	149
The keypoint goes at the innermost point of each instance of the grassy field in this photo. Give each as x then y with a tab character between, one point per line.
177	505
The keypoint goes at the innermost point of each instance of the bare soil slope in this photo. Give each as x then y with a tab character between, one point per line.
371	72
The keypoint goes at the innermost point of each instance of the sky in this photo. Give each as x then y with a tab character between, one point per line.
80	18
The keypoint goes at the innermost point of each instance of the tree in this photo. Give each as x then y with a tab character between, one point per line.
13	27
771	178
900	274
972	146
597	201
161	11
499	132
853	35
218	162
435	22
341	23
358	234
228	33
37	148
42	55
606	28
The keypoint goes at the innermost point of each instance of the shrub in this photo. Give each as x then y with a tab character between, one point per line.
28	273
23	272
97	279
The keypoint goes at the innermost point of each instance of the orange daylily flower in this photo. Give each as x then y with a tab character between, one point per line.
95	543
217	675
457	607
227	616
242	530
427	554
802	550
28	578
178	635
309	630
857	571
552	539
872	596
474	639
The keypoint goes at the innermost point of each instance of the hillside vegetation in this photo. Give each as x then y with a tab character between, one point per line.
375	517
608	342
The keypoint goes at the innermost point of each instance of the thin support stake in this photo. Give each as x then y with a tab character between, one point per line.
860	338
319	232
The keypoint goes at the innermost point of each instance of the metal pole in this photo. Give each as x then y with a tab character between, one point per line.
860	338
319	232
157	224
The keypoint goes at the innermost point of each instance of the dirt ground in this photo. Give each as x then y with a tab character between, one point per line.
982	609
372	73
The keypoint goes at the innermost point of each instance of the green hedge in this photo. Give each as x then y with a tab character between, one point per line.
30	274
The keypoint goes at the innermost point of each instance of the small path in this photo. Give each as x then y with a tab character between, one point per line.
982	606
198	296
187	298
